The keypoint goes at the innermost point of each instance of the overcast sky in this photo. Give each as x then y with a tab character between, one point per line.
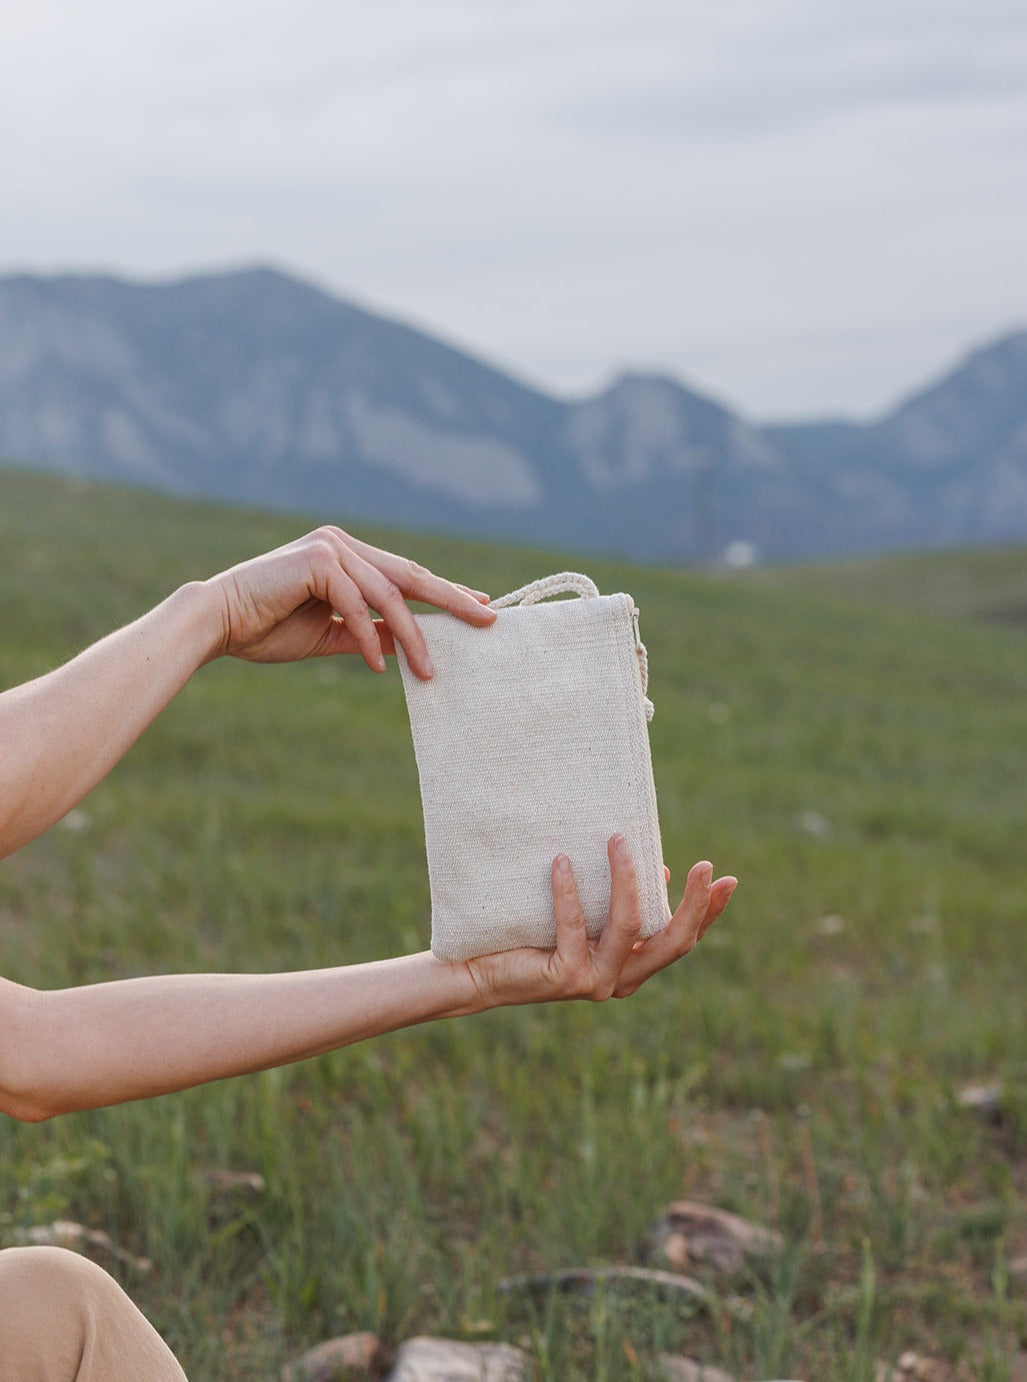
801	208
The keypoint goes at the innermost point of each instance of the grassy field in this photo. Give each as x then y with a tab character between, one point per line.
849	741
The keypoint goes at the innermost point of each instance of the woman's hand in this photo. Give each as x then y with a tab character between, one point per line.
314	597
617	962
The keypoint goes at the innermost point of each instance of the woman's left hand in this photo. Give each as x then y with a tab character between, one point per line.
616	963
314	597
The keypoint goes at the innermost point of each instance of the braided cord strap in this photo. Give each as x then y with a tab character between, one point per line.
574	583
563	583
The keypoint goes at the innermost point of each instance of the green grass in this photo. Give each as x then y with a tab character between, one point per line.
850	741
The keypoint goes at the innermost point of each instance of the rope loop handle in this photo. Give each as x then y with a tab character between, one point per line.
574	583
563	583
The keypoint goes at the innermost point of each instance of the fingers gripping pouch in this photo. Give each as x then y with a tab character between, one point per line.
532	740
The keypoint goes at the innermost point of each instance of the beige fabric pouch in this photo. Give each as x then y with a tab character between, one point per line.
532	740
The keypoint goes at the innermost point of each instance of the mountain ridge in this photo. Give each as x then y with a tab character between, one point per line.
256	387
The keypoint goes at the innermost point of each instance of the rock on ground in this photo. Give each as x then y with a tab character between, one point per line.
351	1355
677	1369
689	1233
448	1360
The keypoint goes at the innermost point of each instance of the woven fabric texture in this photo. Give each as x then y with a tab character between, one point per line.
531	740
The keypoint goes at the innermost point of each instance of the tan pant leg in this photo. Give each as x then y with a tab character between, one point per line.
63	1319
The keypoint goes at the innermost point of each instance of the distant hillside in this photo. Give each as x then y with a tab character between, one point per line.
255	388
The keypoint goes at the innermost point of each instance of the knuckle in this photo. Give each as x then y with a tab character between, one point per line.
581	983
323	548
416	574
388	592
350	600
571	915
627	923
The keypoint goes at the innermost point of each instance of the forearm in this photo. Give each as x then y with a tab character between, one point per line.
60	734
108	1043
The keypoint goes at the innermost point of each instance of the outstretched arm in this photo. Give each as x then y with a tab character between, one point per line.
107	1043
60	734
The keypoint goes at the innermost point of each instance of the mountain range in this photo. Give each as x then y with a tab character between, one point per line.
256	388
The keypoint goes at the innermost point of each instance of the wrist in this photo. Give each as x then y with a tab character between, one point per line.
204	604
454	986
487	984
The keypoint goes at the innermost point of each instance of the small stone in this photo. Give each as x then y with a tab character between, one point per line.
449	1360
1018	1368
65	1233
689	1233
831	925
911	1367
793	1061
679	1369
351	1355
675	1250
983	1099
245	1184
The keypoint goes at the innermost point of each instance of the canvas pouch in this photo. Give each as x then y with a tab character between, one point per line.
532	740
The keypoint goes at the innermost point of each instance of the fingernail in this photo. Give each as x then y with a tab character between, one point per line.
429	666
621	846
563	864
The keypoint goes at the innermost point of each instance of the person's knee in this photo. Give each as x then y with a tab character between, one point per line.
54	1303
48	1302
39	1277
31	1276
64	1317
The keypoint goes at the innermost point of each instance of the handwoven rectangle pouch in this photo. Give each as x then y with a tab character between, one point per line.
531	740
